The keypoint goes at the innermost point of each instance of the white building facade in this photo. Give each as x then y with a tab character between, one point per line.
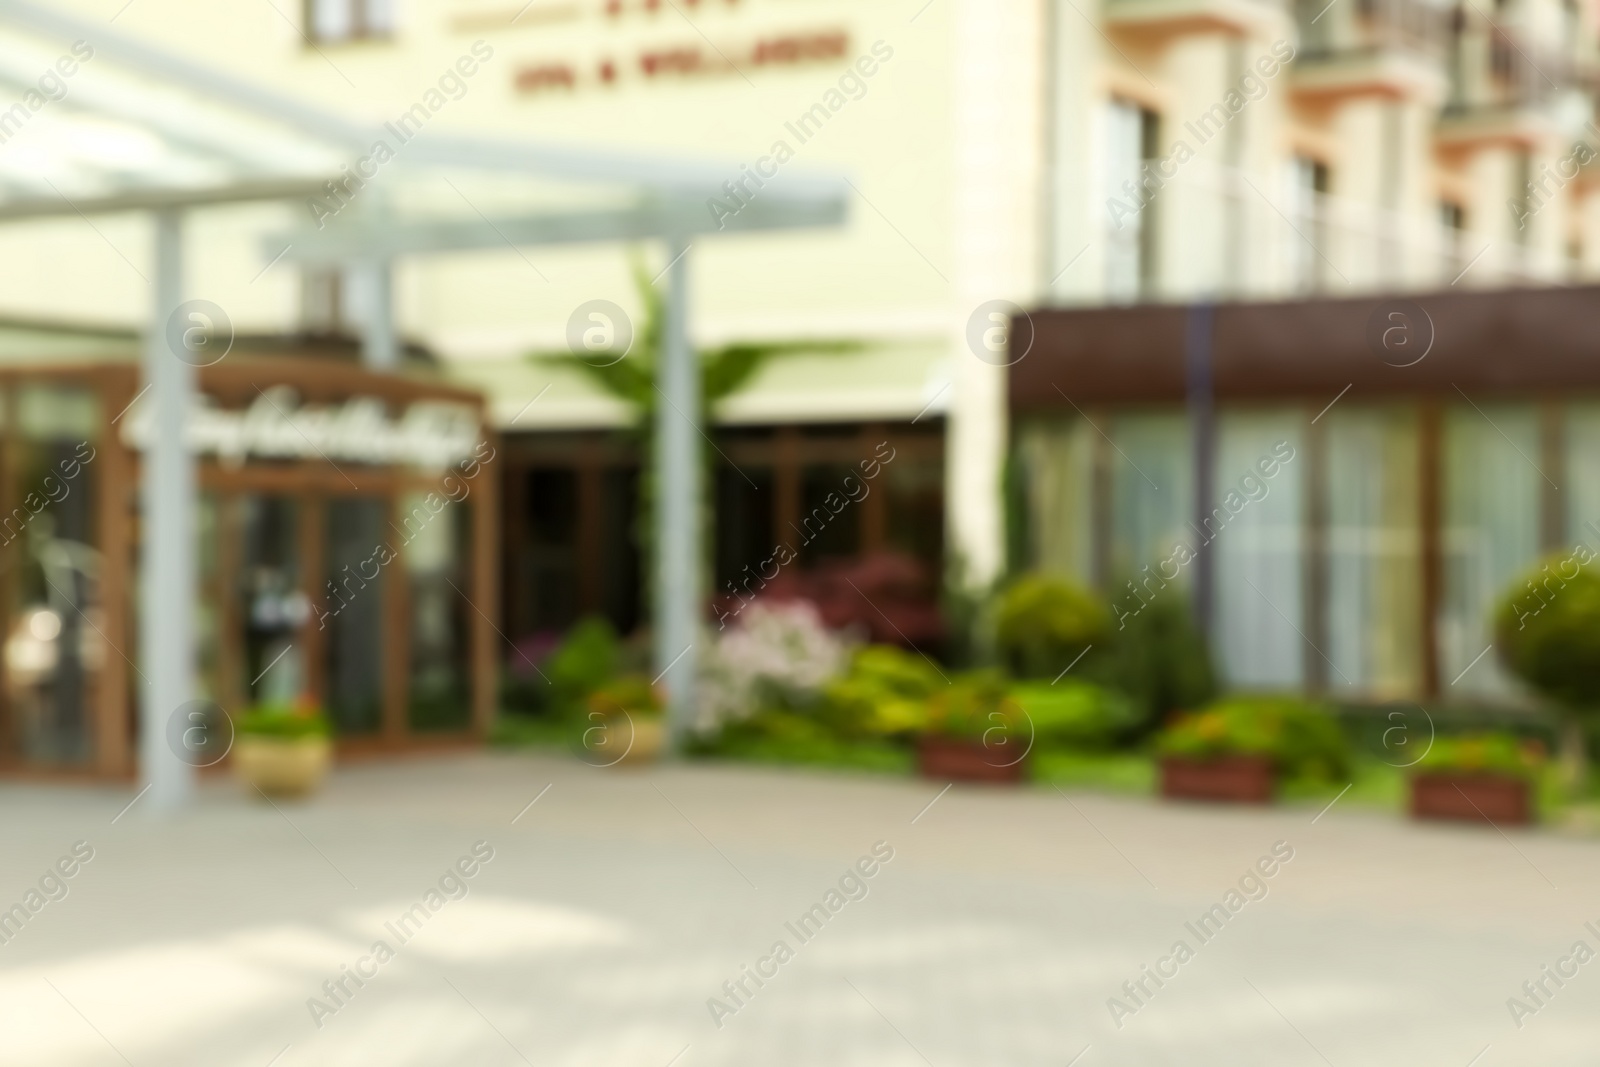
1026	152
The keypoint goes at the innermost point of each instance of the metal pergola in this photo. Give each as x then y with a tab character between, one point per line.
138	129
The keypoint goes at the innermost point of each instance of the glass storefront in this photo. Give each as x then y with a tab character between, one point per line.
1320	571
317	583
49	572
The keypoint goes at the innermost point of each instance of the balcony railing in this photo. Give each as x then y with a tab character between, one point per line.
1498	66
1372	27
1211	230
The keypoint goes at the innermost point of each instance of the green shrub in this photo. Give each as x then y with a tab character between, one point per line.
1547	632
1301	737
1074	714
631	693
975	707
1043	623
1498	753
284	721
1549	635
771	725
587	658
883	694
775	736
1158	658
524	695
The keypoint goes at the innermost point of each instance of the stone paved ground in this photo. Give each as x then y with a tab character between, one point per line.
620	902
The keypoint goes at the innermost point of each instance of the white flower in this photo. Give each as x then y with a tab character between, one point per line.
775	654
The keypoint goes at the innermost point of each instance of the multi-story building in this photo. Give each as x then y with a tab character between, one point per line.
1295	167
1004	155
1401	142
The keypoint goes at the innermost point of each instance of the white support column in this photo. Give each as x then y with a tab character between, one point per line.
380	349
168	570
997	92
677	580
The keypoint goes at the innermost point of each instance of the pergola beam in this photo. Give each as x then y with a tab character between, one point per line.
339	242
437	150
234	148
160	198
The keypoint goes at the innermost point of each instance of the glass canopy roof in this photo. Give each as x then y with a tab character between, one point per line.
122	125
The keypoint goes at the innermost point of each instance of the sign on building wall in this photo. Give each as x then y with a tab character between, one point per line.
430	434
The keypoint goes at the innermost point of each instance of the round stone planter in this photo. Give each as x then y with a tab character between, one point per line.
628	741
959	759
283	767
1500	799
1231	779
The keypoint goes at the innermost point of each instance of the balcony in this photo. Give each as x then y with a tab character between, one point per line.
1361	46
1214	231
1189	16
1371	27
1501	71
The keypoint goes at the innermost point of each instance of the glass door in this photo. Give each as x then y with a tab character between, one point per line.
49	571
437	572
355	545
272	608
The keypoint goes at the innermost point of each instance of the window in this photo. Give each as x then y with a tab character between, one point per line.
1130	215
1452	231
349	20
1490	531
1308	191
322	299
1371	546
1522	195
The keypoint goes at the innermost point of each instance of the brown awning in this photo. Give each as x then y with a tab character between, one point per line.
1519	341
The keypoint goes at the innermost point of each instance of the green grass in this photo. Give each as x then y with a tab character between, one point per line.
554	732
1374	785
818	752
1114	772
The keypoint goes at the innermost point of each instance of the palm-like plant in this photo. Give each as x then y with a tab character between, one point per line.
631	378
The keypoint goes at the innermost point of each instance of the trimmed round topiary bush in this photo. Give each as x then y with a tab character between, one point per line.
1043	623
1547	633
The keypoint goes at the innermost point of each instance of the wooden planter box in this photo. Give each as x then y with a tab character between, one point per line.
1473	797
958	759
1236	779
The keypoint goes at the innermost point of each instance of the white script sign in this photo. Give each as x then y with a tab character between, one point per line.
430	434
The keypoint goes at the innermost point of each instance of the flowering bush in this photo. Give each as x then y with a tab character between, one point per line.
1300	736
1489	753
975	707
884	694
777	656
